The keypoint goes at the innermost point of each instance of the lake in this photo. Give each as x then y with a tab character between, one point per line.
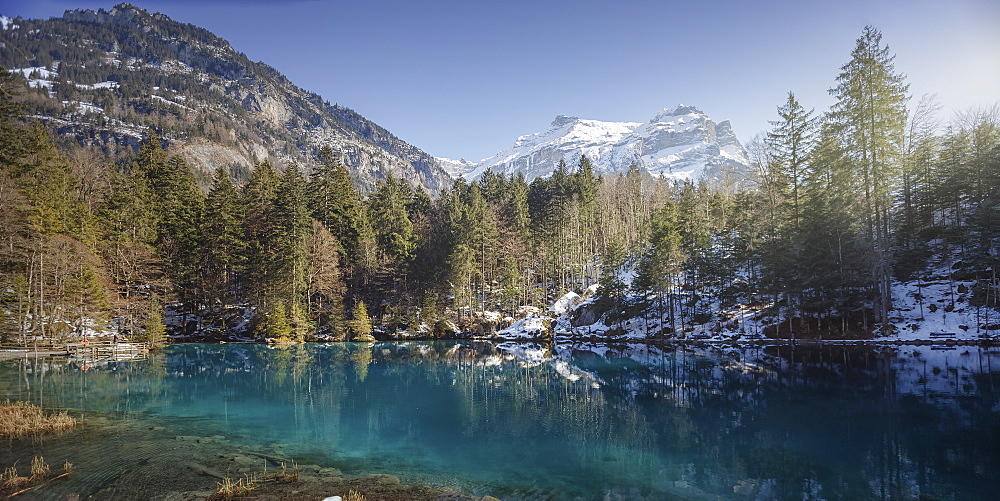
532	422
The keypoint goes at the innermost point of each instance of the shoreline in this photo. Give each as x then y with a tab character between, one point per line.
11	354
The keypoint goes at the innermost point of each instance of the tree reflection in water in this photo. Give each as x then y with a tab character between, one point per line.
587	421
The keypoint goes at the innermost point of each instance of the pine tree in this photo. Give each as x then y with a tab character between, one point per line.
153	331
258	202
790	143
336	202
611	294
361	324
661	265
181	210
222	246
391	222
870	115
292	226
11	111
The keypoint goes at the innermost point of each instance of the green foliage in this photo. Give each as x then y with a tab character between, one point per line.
840	202
611	295
153	330
391	222
361	324
223	247
275	324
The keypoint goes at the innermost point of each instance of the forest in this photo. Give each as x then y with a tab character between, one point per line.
845	202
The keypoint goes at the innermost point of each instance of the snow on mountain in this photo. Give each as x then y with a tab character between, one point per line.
455	168
680	143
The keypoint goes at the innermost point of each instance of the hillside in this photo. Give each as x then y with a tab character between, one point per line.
102	78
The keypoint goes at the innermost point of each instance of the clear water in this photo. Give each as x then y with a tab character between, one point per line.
589	422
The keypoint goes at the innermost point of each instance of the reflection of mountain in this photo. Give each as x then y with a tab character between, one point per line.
581	420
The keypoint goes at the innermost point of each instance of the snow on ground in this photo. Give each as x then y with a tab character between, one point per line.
165	100
532	327
41	72
565	303
83	107
922	311
99	85
933	308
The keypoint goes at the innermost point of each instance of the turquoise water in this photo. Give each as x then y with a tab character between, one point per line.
566	422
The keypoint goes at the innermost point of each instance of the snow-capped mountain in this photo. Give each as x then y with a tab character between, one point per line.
679	143
455	168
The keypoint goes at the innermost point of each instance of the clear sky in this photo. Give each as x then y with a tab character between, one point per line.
464	78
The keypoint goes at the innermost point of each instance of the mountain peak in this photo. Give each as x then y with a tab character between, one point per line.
679	110
563	120
680	143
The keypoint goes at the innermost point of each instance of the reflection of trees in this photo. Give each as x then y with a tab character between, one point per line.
840	421
844	421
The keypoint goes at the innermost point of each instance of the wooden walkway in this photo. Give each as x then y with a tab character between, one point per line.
91	351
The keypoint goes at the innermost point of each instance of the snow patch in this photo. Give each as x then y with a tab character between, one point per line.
527	328
99	85
565	303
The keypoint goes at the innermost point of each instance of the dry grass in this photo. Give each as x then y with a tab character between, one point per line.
228	489
10	480
39	470
286	474
250	484
21	419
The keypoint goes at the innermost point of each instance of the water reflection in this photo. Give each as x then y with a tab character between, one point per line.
569	421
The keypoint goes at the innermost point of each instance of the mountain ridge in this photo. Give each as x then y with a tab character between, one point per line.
680	143
210	102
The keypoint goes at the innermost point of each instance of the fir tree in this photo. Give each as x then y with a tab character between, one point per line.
222	246
361	324
870	115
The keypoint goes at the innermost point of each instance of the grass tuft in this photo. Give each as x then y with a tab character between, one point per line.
228	489
10	479
21	419
39	469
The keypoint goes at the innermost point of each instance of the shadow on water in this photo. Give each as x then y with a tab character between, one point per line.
584	421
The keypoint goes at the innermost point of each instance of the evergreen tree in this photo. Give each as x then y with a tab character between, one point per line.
790	143
222	246
258	201
292	226
870	115
336	202
391	222
660	267
11	112
181	210
361	324
611	294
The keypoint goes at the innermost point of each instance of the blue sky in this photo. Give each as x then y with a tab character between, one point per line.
465	78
